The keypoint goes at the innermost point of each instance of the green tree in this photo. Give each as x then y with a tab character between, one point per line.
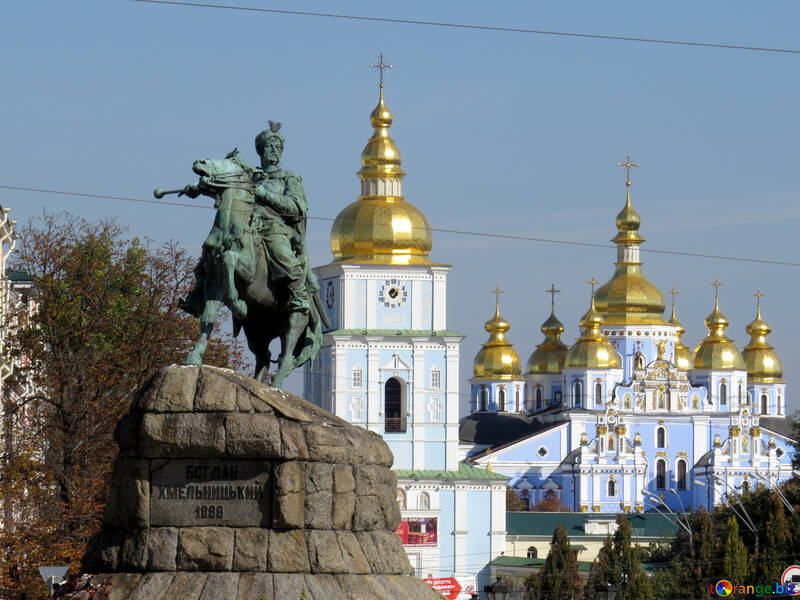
776	547
604	570
795	423
733	553
559	578
107	318
633	580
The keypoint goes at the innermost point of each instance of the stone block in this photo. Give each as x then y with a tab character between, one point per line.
370	551
368	478
254	586
343	480
186	586
214	392
205	549
291	586
250	549
103	552
122	584
352	554
324	553
343	508
389	546
389	507
151	586
162	548
289	506
126	431
293	441
319	477
287	553
134	551
189	435
363	588
128	502
318	510
324	587
176	392
252	435
368	515
220	586
325	444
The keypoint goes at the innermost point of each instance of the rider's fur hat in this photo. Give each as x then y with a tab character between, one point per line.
273	131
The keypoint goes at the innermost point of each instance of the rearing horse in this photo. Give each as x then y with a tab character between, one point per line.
236	271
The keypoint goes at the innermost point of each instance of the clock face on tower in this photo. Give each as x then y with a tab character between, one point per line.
330	294
392	293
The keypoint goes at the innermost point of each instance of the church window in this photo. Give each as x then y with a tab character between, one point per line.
780	405
661	437
695	402
745	486
745	445
401	499
577	393
779	452
610	443
542	451
538	397
484	398
764	400
598	393
626	401
436	378
532	553
661	474
612	487
356	376
661	402
501	399
639	362
740	392
394	409
723	393
424	501
557	398
516	395
602	444
681	474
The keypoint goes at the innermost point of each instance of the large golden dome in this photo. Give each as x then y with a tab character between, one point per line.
628	298
683	355
550	355
717	351
592	350
381	227
761	360
497	359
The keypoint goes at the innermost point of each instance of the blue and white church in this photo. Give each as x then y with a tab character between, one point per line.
627	418
389	363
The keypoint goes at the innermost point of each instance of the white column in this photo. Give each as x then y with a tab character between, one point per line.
498	522
417	307
340	381
372	303
439	297
371	379
451	405
460	532
419	407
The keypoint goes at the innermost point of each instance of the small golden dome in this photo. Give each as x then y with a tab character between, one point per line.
550	355
717	351
683	355
381	227
497	359
592	350
628	298
761	360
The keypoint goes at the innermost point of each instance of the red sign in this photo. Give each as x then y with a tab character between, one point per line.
447	586
417	531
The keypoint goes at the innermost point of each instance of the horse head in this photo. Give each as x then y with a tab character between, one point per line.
224	172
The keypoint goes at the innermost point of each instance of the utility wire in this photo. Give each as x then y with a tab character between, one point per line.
506	236
595	36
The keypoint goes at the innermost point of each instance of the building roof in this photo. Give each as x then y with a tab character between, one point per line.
464	471
519	561
17	275
780	425
544	523
398	332
499	429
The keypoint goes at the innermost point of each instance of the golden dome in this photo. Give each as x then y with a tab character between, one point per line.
683	356
497	359
592	350
381	227
761	360
717	350
550	355
628	298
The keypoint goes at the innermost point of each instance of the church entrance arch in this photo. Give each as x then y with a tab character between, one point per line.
394	406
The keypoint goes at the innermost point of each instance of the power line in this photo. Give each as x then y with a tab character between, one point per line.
595	36
506	236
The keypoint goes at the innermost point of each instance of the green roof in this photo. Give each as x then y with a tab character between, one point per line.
544	523
398	332
17	275
464	471
518	561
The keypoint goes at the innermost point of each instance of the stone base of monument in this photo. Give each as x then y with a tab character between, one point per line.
226	489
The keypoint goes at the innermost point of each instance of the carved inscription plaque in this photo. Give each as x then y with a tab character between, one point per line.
210	492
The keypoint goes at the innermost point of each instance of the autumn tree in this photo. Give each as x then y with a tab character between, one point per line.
551	503
107	318
513	500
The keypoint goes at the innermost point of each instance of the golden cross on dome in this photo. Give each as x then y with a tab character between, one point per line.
381	66
593	283
759	295
628	164
497	291
716	283
552	291
674	293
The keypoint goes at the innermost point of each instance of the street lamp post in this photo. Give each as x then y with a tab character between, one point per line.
744	516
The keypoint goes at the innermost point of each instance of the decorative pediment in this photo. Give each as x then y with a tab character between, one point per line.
550	485
396	364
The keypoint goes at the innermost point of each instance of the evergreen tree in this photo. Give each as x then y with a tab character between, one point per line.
634	584
733	554
559	578
776	547
604	571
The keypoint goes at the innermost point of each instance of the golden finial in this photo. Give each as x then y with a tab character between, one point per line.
674	293
381	66
758	295
593	283
552	291
716	283
497	291
628	164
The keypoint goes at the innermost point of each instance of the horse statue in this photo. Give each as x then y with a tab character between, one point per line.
234	270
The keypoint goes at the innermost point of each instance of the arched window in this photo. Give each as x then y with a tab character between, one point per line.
681	474
577	393
516	400
740	392
356	376
598	393
745	486
501	399
764	400
532	553
661	437
611	443
661	474
661	402
723	393
484	398
538	397
401	499
612	487
639	362
424	501
394	409
780	405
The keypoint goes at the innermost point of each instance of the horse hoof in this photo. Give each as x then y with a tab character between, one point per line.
239	309
193	360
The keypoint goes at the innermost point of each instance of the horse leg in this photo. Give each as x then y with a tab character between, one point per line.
258	342
230	293
296	324
207	321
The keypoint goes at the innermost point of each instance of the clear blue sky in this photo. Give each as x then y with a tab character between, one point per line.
499	132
